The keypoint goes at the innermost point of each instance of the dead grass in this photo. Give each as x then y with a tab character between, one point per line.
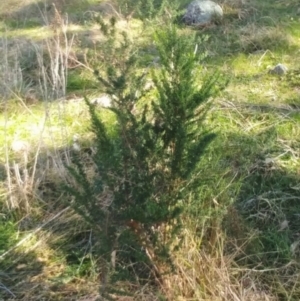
211	275
258	38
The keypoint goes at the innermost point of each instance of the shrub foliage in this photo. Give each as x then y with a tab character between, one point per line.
147	169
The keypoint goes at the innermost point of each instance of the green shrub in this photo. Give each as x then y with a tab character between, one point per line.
145	173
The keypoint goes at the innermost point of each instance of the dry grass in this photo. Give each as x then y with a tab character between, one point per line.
22	179
211	275
256	38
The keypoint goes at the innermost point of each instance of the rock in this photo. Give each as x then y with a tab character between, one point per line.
202	12
104	101
76	146
279	69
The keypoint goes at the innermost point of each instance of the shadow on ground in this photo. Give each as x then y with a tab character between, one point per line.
263	222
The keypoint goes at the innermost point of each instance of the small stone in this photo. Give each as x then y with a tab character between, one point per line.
269	161
279	69
104	101
76	146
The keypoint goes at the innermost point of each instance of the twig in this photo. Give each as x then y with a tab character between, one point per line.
2	286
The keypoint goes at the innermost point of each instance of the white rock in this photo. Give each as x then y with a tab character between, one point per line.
76	147
201	12
104	101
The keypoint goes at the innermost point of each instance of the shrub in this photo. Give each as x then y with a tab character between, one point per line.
145	172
